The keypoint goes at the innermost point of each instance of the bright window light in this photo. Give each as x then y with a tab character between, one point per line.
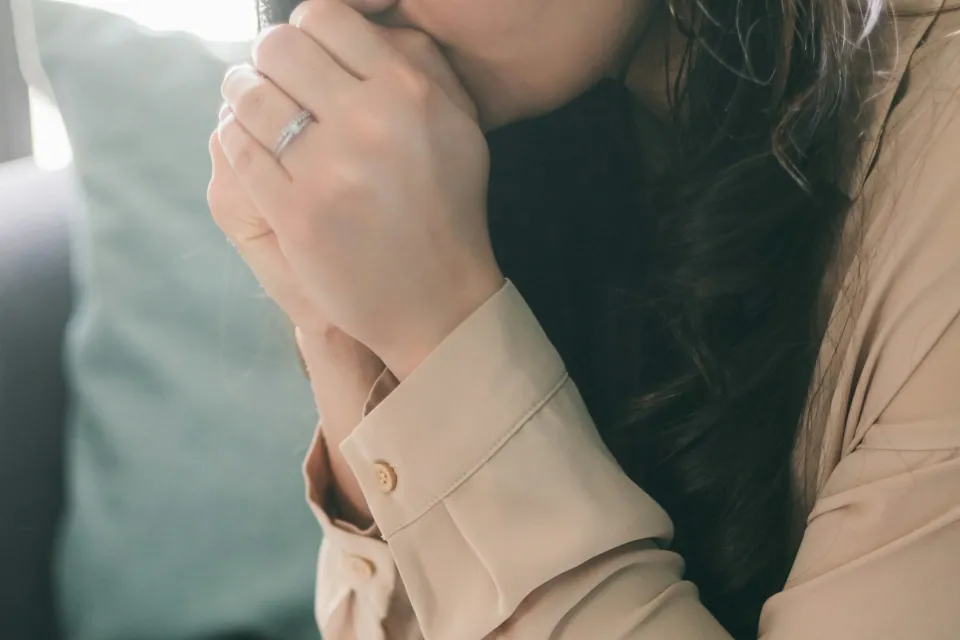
214	20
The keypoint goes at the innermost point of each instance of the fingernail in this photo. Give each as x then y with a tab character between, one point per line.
224	111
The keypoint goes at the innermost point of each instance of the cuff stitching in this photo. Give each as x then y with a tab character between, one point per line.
519	424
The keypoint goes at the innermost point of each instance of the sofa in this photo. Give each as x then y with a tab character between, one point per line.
36	209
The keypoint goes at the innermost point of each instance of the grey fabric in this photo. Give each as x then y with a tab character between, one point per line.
35	210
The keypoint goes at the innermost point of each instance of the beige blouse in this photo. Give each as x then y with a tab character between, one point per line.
500	513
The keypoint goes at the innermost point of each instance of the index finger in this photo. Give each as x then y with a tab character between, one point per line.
347	35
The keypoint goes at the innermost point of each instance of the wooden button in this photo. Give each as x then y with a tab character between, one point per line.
386	476
361	567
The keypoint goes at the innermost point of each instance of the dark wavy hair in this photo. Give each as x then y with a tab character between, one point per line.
730	285
749	220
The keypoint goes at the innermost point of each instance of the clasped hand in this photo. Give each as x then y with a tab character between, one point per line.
373	222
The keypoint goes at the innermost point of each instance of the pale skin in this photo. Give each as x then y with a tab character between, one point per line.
370	230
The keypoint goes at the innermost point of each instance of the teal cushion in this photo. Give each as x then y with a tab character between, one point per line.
190	414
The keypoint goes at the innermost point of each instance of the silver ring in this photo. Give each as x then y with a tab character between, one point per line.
292	131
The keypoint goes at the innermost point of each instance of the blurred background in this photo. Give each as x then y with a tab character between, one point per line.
214	20
153	414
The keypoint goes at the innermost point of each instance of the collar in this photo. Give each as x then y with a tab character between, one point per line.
896	42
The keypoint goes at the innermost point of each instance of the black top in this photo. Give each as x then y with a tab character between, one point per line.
567	218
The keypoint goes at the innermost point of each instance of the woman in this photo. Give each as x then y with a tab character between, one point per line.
763	324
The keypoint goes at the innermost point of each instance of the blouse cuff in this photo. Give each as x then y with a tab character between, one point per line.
427	436
408	454
352	560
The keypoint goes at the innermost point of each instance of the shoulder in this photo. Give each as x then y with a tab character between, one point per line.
912	186
922	123
905	221
909	60
900	292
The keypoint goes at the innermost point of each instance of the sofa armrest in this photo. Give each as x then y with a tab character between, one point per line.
35	212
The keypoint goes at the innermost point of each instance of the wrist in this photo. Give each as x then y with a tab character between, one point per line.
341	372
331	350
411	353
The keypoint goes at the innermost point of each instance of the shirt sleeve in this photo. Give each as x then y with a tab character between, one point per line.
359	595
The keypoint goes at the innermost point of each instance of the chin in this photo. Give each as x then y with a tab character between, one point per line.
504	99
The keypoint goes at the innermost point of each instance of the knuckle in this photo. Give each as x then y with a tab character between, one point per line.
244	156
251	102
416	87
218	201
271	46
213	200
218	160
314	11
412	41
